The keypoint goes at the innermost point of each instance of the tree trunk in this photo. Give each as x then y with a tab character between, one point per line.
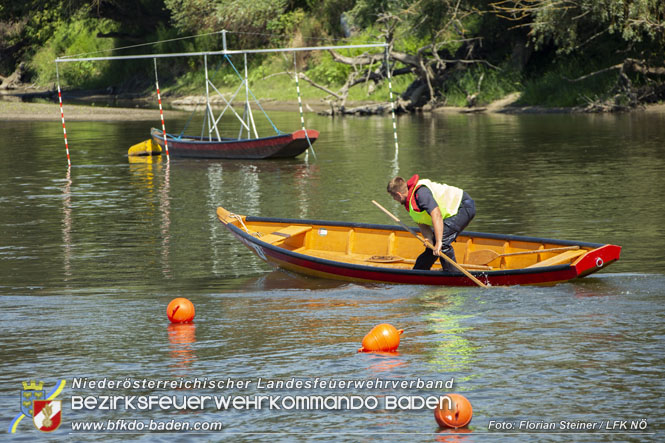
14	80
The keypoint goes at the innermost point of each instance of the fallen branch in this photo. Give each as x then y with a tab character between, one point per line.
321	87
362	60
628	64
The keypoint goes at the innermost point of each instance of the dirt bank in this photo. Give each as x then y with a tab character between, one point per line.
17	110
51	112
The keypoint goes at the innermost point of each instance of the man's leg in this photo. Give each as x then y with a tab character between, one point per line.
427	258
452	226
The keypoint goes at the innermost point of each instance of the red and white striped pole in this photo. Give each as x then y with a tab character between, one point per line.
62	116
161	112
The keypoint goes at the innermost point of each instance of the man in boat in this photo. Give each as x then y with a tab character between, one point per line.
441	211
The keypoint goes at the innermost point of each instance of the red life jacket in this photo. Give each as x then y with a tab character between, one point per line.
411	193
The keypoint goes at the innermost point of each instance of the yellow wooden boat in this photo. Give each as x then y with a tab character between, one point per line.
379	253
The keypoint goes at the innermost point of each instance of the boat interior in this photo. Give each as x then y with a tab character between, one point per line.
398	249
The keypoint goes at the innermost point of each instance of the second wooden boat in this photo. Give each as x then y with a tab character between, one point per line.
277	146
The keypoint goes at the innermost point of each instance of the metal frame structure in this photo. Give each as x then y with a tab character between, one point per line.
247	120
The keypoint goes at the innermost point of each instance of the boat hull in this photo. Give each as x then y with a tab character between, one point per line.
278	146
595	257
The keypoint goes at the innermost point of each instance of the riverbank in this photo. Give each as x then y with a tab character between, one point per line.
48	111
103	108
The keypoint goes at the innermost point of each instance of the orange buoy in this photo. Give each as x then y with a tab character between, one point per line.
180	310
382	338
453	413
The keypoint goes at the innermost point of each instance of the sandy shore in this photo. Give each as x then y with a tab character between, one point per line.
51	112
17	110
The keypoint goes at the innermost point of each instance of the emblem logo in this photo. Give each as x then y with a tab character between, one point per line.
46	412
31	392
47	416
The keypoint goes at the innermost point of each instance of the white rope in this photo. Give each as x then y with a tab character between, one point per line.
239	218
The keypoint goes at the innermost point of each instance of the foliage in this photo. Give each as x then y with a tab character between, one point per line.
76	37
25	26
539	44
553	89
572	25
249	21
494	84
427	19
332	16
192	16
325	70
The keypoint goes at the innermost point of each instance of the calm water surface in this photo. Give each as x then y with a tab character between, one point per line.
91	256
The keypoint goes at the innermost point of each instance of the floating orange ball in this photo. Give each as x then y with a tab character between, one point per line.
180	310
455	413
382	338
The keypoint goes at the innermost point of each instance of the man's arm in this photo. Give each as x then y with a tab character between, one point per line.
437	224
427	202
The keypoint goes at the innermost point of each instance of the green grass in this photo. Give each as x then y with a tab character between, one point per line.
495	85
553	88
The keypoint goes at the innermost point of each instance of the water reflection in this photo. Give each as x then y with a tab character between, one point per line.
454	435
182	338
145	177
302	179
452	351
67	224
384	361
164	208
215	177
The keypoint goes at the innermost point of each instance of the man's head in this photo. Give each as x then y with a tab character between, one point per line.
398	190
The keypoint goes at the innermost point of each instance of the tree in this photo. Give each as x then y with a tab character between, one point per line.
26	26
250	21
445	44
628	34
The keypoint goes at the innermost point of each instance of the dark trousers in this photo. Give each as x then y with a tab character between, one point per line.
452	226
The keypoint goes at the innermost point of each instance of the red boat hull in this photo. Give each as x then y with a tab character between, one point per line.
278	146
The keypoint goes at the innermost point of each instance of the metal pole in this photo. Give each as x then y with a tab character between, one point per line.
62	117
224	52
302	117
161	112
205	66
212	123
250	117
392	102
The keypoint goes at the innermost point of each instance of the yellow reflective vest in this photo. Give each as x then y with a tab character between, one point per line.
447	197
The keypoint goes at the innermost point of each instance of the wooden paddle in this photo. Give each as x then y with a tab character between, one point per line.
484	256
429	245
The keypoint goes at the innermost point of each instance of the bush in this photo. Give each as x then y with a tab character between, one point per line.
495	84
553	88
77	37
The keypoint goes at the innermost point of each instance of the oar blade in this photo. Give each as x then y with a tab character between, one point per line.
481	257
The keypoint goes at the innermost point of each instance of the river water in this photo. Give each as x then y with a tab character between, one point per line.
91	256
